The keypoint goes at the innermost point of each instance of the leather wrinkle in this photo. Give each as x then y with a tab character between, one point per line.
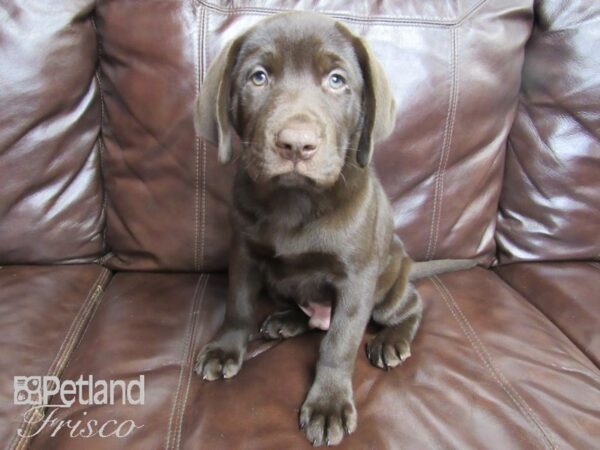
100	141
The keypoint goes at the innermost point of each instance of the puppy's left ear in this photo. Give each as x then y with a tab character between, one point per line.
379	108
211	110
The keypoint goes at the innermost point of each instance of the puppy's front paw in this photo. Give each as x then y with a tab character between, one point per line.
328	414
217	360
284	324
390	348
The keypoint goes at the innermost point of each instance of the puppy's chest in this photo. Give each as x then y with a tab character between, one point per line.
282	262
294	266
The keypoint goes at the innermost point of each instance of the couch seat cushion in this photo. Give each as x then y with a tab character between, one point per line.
43	311
488	371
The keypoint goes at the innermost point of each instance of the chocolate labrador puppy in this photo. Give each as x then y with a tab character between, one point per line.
312	224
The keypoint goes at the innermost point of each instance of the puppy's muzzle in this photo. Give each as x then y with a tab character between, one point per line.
297	141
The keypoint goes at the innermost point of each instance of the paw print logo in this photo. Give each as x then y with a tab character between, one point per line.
27	390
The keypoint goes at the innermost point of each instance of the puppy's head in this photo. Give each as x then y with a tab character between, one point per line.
305	96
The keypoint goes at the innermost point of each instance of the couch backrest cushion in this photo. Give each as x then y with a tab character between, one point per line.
455	70
50	185
550	205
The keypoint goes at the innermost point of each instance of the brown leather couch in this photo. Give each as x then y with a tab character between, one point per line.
113	225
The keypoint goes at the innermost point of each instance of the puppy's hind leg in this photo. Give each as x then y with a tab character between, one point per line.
400	313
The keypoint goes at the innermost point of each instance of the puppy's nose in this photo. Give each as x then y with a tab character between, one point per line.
297	141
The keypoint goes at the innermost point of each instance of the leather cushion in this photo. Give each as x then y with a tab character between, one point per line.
550	207
488	371
43	311
567	293
52	198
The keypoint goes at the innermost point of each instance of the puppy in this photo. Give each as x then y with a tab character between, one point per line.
312	224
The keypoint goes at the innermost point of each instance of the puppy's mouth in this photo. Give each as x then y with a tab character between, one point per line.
293	179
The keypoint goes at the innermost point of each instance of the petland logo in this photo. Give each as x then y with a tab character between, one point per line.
38	391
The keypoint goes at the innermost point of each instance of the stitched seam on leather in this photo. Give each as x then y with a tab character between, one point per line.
191	366
105	258
185	355
197	143
446	145
87	324
205	27
74	323
456	90
436	177
377	20
58	365
93	302
486	358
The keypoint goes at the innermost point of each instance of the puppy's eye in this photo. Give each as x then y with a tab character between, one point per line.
336	81
259	77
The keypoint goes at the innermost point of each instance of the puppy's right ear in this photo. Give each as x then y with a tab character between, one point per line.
211	110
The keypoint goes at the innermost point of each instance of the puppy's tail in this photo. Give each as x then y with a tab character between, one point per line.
435	267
